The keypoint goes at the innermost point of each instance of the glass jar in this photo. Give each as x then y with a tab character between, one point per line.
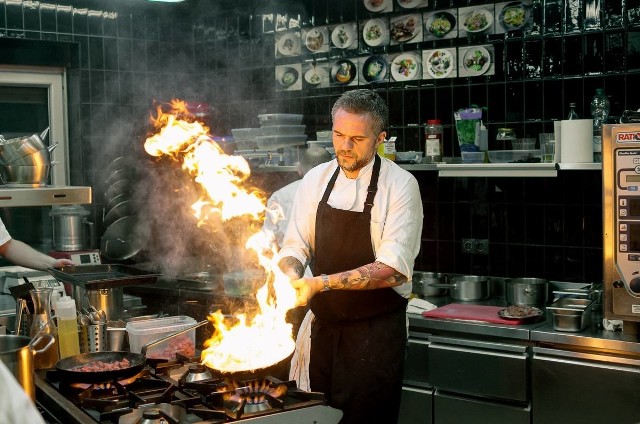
43	324
504	138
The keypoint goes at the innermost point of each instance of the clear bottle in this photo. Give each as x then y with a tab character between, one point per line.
573	114
433	148
66	318
43	324
600	113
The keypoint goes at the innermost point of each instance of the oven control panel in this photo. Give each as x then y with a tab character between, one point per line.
627	214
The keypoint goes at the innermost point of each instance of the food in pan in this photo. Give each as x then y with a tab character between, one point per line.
440	26
96	366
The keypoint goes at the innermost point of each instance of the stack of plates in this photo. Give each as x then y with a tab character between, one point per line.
281	130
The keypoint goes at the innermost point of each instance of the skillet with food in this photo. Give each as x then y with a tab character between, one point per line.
100	367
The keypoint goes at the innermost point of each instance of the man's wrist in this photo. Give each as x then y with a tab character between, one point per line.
325	283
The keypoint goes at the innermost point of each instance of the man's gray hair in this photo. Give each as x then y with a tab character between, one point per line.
312	157
364	102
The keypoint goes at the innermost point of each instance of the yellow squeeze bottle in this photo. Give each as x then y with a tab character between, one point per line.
67	327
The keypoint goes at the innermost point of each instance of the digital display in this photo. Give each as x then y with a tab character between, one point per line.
632	178
634	207
634	237
85	259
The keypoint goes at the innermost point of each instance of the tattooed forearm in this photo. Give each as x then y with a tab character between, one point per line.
291	266
371	276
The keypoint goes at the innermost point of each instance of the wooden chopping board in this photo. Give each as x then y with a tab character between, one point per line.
462	311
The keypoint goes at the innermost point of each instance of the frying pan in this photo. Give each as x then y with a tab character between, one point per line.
67	367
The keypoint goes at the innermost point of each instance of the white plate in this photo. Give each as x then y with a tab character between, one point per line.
376	5
289	44
342	36
440	64
405	67
406	29
482	67
314	40
374	32
315	75
476	20
409	4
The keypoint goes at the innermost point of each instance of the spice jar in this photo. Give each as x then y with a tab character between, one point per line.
433	141
504	138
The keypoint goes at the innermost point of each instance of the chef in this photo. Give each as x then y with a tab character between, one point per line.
357	222
24	255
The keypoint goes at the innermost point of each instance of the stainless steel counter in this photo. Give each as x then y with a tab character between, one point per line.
589	338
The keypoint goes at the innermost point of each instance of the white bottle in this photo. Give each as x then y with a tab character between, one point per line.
67	327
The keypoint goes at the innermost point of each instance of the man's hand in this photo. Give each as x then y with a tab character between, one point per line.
59	263
306	288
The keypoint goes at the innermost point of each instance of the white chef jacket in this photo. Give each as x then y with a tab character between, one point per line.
4	234
15	405
280	200
396	216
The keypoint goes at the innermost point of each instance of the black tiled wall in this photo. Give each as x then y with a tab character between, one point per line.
121	56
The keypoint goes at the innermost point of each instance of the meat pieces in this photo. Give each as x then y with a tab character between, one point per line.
103	366
182	345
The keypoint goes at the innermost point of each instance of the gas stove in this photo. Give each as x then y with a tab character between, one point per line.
180	391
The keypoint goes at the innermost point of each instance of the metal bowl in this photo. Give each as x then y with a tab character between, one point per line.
23	174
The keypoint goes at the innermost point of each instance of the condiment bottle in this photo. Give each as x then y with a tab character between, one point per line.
433	134
67	327
43	324
573	114
504	138
387	149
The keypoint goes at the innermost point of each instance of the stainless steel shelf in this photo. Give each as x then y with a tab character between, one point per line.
497	170
580	166
44	196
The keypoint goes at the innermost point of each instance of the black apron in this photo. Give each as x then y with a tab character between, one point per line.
358	338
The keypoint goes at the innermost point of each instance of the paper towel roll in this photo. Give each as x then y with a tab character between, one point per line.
577	140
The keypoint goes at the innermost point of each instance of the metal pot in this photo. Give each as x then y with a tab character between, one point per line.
17	353
421	283
467	288
527	291
71	229
111	301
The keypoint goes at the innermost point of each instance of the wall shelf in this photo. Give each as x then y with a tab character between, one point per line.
44	196
497	170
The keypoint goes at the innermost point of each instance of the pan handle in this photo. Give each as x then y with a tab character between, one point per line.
442	286
143	350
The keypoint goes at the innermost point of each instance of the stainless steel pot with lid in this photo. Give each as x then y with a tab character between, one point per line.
71	228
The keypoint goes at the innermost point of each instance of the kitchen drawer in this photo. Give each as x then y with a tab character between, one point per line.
491	369
416	406
416	371
451	409
578	387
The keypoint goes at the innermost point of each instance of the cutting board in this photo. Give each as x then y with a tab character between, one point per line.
462	311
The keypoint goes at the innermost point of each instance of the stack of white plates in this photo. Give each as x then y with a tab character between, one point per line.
281	130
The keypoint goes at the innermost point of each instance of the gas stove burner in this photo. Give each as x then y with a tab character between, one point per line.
197	372
163	413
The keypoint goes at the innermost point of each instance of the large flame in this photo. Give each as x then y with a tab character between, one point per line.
238	344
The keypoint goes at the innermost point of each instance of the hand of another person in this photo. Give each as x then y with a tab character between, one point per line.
62	262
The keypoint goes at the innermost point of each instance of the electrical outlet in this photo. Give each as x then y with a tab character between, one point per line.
482	246
468	245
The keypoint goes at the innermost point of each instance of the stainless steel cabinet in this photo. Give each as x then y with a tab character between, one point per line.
416	406
576	387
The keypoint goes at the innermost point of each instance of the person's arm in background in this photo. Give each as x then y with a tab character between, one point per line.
24	255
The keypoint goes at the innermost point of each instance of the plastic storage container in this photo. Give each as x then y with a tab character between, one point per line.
279	119
143	332
472	157
433	134
283	129
280	141
507	156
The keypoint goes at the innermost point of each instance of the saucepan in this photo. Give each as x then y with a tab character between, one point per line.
467	288
17	353
422	284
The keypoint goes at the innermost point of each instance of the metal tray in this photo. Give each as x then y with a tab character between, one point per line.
105	276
